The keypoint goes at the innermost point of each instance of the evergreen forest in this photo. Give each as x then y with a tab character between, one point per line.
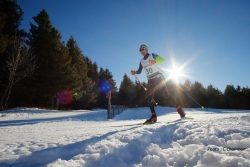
38	69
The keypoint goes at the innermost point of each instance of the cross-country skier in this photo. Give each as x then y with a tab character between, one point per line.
155	80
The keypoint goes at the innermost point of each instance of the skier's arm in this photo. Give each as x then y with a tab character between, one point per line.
157	58
139	69
133	72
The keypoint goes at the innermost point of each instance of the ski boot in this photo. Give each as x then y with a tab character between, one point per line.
180	111
153	119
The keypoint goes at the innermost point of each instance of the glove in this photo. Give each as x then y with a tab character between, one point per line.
133	72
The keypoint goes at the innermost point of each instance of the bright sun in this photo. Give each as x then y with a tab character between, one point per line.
175	73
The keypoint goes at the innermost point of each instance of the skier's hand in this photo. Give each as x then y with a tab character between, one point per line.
133	72
152	61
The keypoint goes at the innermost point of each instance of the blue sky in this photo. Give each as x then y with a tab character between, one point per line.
210	39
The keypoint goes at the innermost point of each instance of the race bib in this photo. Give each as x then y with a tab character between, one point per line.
150	69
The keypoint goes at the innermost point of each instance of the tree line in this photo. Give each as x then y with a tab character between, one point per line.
190	95
38	69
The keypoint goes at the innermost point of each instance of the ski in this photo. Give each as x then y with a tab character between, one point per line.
152	123
180	120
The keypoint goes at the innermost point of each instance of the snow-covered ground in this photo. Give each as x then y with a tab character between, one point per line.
35	137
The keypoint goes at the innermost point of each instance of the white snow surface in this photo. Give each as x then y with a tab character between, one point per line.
32	137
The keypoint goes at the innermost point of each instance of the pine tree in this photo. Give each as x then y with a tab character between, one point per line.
213	97
80	67
93	75
198	93
106	75
10	19
127	91
140	100
106	85
55	73
246	98
230	96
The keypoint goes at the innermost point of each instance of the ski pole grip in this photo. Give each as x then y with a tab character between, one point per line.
133	72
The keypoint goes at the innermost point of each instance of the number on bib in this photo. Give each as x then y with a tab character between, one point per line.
149	71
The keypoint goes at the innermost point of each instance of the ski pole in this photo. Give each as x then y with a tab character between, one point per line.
140	82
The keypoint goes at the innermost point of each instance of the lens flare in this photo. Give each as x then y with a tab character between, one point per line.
105	87
64	97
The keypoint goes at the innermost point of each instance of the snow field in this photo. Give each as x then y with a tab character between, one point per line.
214	138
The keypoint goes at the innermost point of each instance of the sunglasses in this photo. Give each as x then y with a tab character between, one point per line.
143	47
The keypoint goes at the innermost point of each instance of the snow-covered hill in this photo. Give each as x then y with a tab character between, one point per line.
35	137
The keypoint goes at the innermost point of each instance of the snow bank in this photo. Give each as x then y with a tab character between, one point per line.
245	118
33	113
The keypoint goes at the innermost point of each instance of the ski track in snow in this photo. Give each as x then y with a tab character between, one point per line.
33	137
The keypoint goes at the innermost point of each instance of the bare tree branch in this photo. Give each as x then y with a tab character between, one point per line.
21	63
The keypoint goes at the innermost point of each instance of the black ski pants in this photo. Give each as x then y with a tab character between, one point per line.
156	86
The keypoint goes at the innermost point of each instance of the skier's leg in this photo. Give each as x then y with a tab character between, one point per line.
150	94
177	106
180	111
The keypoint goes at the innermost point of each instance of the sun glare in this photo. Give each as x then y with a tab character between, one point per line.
175	73
178	72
